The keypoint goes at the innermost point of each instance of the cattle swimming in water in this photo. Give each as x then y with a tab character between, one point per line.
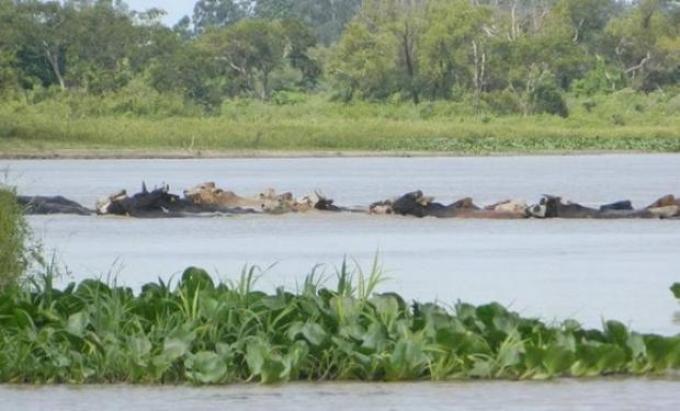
418	205
209	200
554	207
269	201
51	205
157	203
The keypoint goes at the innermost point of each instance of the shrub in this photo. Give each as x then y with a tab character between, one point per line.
503	102
546	98
283	98
601	79
589	105
286	78
618	120
673	105
13	233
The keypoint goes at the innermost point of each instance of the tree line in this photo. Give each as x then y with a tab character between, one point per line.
515	55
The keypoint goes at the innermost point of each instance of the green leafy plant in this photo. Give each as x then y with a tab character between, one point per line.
13	236
546	98
204	332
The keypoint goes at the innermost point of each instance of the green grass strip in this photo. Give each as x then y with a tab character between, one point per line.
633	123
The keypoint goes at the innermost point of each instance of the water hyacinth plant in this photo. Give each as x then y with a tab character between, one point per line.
203	332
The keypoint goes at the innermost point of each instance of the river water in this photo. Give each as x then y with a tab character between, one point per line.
619	395
587	270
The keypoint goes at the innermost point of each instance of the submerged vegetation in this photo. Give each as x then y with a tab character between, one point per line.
206	333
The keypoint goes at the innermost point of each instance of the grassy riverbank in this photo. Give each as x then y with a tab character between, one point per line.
623	122
206	333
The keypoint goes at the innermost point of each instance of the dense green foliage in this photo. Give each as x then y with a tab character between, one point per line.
531	51
376	49
13	233
327	18
98	47
207	333
450	75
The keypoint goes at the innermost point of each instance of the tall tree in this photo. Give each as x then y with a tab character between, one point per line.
363	63
249	51
397	25
104	40
46	37
455	47
9	45
327	18
299	40
218	13
647	43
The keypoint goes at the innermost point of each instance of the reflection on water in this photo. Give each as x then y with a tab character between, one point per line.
616	395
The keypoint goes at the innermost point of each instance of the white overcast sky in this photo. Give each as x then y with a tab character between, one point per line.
175	8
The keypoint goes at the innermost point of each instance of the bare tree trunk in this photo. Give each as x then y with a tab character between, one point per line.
265	86
482	74
513	21
577	34
477	75
632	71
334	16
539	13
529	89
53	59
406	40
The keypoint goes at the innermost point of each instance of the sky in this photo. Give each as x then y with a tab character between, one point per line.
176	9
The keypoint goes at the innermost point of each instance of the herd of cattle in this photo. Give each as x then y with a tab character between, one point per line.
208	199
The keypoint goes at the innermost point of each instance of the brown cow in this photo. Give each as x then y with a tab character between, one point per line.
665	207
207	194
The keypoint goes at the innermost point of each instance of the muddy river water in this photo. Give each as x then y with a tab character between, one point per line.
618	395
587	270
